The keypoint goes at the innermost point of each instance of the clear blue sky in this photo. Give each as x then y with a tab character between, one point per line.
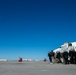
31	28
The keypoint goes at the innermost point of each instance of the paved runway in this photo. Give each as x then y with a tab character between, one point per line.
36	68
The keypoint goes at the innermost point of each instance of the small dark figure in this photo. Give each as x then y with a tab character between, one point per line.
44	59
75	57
65	56
59	57
71	54
50	57
20	60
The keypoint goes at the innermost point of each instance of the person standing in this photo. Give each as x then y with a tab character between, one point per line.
71	53
65	56
58	56
50	57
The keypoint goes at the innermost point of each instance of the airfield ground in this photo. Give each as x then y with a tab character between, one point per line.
35	68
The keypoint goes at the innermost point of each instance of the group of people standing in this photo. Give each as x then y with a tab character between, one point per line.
67	57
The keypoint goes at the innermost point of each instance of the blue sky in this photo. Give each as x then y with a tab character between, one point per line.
32	28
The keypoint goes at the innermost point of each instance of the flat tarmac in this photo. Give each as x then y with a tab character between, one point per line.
35	68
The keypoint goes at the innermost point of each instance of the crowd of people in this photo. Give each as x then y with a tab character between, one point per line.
66	57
